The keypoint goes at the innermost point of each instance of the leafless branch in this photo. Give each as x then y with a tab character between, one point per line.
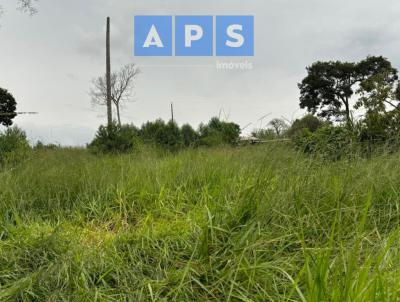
122	88
27	6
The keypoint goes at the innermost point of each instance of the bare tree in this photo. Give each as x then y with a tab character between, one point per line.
279	126
122	88
25	6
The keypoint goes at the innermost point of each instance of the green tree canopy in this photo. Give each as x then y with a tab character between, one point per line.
217	131
309	121
8	106
189	135
380	93
329	86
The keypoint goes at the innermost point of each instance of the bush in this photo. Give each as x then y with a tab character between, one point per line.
169	137
212	139
150	130
115	139
329	142
41	146
217	132
264	134
309	121
165	135
378	129
13	145
189	135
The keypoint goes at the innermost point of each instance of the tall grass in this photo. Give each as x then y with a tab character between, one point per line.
248	224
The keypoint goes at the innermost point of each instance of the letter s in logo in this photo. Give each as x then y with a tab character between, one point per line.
235	36
231	32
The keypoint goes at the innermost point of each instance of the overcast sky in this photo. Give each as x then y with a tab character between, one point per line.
47	61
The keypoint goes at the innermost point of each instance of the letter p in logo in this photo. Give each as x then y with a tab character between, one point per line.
194	35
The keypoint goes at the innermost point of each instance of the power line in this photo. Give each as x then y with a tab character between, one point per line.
17	113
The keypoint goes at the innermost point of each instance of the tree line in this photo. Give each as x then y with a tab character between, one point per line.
332	92
166	135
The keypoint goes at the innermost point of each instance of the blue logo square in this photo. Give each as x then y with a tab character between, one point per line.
153	36
194	36
235	36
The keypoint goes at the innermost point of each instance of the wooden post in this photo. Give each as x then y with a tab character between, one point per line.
108	74
172	112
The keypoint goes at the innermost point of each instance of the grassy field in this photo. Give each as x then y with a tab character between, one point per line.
245	224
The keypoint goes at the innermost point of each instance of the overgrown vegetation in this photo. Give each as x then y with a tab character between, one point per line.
223	224
13	146
115	139
167	136
315	219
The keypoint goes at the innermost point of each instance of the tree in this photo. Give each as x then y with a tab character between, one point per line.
279	126
380	97
380	93
219	132
329	86
8	107
189	135
170	136
166	135
115	139
25	6
309	121
122	84
150	130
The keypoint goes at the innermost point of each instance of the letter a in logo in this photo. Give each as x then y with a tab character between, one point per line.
153	38
153	35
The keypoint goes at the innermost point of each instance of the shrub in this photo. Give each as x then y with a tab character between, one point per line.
115	139
212	139
13	145
169	137
378	129
165	135
264	134
149	131
309	121
42	146
329	142
217	132
189	135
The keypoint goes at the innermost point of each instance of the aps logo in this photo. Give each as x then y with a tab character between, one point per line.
193	35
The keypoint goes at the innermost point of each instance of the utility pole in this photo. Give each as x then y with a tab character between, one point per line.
108	74
172	111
